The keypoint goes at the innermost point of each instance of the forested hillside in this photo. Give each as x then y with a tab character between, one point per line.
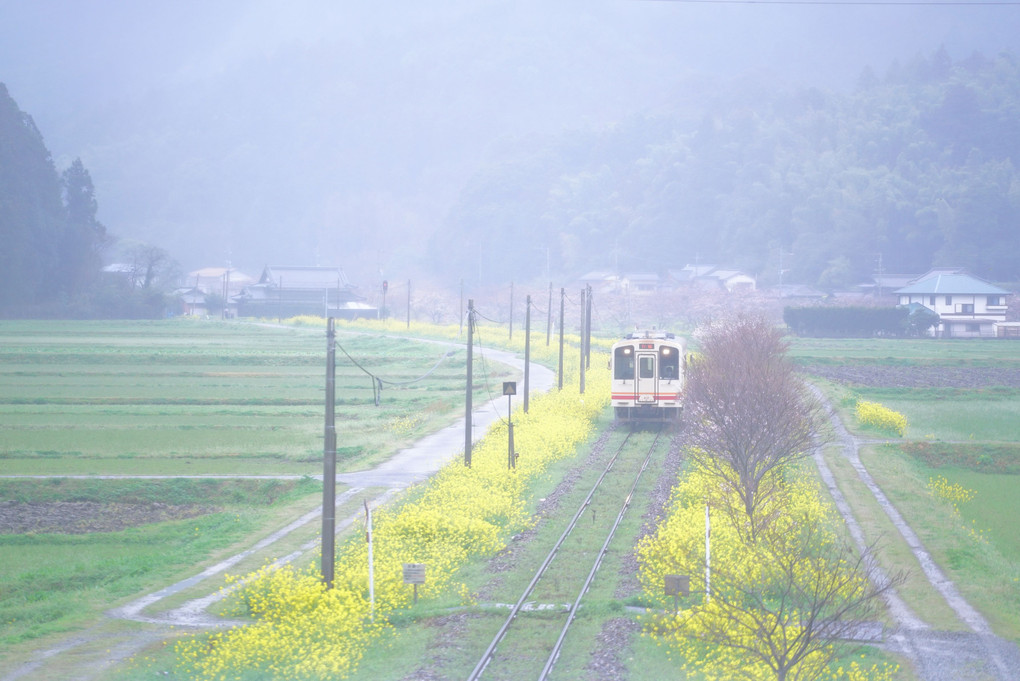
50	240
916	167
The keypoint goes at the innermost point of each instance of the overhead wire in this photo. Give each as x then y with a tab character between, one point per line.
485	376
377	382
891	3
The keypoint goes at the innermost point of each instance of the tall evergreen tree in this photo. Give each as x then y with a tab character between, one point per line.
31	214
85	236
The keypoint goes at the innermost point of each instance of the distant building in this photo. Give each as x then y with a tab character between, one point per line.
968	307
640	282
291	291
201	286
711	278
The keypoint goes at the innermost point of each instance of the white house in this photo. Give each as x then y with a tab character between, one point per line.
968	307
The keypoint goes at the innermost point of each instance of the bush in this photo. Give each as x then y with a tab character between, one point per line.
874	415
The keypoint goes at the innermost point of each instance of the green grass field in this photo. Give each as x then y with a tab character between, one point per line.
967	433
192	398
184	398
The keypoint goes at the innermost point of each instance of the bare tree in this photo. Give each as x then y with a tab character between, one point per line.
748	414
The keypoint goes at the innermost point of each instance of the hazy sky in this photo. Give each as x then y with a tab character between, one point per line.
310	129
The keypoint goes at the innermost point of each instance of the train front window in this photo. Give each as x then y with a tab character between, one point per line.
647	367
623	364
669	363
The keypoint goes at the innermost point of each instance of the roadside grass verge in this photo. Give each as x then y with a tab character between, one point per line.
892	551
987	576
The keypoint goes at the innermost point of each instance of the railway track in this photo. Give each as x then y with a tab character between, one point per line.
541	603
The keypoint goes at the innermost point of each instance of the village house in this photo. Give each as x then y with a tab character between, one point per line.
291	291
203	286
968	307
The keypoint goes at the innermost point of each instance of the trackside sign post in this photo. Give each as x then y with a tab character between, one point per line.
414	573
510	389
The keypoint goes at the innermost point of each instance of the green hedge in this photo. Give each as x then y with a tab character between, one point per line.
857	322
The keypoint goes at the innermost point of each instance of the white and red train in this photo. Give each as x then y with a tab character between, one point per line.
648	376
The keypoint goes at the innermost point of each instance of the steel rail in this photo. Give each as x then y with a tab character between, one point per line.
555	654
483	662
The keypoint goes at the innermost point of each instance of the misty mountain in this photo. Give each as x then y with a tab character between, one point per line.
336	133
916	169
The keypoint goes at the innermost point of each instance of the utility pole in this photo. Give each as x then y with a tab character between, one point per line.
467	399
563	293
408	303
548	322
329	460
527	352
584	307
511	310
587	331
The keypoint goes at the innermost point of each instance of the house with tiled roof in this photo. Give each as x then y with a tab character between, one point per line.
291	291
968	307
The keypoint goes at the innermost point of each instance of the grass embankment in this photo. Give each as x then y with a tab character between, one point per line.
965	432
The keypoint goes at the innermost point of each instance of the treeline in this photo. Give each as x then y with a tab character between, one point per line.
51	242
913	169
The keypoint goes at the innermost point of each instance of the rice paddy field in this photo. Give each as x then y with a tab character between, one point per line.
93	414
200	398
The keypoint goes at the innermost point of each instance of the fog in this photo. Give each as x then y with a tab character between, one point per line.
316	132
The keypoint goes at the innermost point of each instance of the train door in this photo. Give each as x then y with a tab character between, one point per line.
645	382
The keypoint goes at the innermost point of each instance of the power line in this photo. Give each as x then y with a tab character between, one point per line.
878	3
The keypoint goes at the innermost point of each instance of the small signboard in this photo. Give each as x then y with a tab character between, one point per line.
678	585
509	387
414	573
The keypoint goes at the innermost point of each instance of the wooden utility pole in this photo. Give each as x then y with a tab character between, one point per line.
329	460
548	321
563	294
467	398
511	310
527	352
587	330
583	308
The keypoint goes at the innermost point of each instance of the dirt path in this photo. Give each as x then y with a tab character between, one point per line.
976	655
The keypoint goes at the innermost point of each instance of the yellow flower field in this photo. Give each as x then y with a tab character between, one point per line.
304	631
